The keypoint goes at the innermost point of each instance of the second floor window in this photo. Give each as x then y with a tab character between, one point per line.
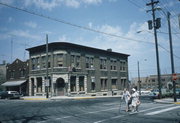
76	61
59	62
22	73
113	64
12	74
123	66
89	62
103	64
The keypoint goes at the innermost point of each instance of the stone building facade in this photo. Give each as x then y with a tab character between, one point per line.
75	69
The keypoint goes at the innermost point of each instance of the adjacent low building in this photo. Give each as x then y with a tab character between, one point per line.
76	70
151	82
17	77
2	74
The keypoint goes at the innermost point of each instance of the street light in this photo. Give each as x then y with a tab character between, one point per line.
139	80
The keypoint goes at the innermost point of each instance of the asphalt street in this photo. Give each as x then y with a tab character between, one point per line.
101	110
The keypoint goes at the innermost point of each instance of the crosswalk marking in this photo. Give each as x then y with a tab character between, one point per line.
163	110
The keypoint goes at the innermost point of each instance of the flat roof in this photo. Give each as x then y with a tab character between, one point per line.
67	45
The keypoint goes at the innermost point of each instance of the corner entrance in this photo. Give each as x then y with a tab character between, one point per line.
60	87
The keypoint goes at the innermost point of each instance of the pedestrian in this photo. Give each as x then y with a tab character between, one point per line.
126	96
135	100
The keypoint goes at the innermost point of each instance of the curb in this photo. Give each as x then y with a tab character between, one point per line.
166	102
34	99
65	98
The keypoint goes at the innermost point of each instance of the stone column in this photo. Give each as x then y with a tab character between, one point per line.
30	87
85	84
35	84
43	86
77	84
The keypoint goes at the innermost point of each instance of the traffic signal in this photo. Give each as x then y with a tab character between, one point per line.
150	26
158	23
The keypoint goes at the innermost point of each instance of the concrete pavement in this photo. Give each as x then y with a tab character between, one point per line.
164	100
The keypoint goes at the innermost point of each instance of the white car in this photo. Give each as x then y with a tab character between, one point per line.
13	95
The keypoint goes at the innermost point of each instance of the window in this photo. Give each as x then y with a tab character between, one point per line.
75	61
73	83
78	61
87	62
22	73
59	62
113	64
39	85
113	83
93	85
12	74
43	60
103	64
123	66
103	84
81	83
123	83
38	62
33	60
90	62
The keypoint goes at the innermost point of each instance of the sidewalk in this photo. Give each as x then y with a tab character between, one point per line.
64	97
167	101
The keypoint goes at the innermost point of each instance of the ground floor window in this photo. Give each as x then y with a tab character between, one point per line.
73	83
81	83
39	85
114	83
123	83
93	85
103	84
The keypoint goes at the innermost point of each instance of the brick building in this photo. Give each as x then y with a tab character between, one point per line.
75	69
17	77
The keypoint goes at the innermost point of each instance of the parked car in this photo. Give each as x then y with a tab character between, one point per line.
3	95
9	95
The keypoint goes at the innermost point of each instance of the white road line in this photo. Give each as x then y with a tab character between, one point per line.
163	110
115	117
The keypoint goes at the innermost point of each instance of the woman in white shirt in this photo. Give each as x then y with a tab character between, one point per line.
126	95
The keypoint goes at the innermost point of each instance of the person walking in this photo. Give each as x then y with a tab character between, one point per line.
126	96
135	100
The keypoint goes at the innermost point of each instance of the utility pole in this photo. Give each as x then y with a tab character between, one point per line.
47	78
171	54
152	3
139	81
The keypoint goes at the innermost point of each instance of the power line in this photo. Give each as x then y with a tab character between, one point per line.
71	24
81	27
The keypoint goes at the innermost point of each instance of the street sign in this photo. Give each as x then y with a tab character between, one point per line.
174	77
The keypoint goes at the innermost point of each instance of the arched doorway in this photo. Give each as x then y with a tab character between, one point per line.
60	87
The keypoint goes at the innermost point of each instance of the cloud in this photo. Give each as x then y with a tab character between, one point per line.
49	5
31	24
10	19
43	4
24	34
92	1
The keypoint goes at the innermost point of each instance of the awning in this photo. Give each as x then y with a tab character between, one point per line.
13	83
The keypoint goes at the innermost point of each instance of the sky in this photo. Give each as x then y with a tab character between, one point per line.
117	24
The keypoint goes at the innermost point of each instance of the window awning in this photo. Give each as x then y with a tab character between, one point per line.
13	83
